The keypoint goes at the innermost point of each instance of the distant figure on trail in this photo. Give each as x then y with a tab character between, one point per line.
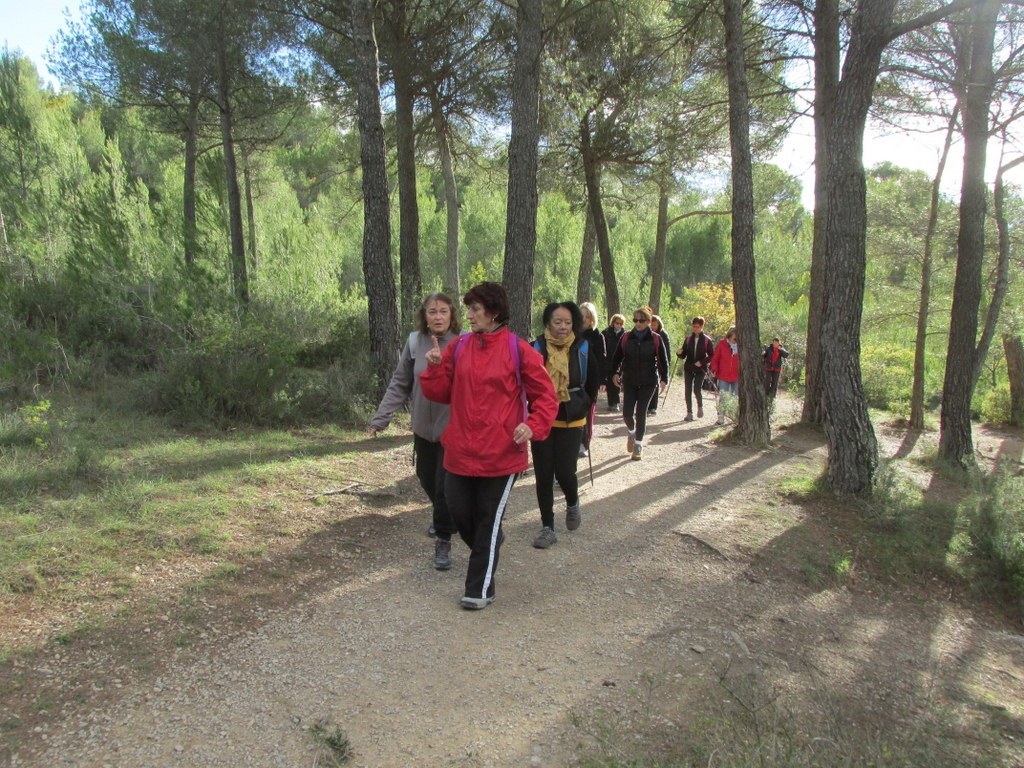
612	336
438	324
696	354
595	338
771	361
641	366
658	327
725	366
501	397
572	363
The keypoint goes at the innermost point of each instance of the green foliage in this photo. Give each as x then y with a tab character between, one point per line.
887	372
996	405
997	531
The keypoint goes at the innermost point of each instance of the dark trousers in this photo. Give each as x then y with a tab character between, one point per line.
555	459
430	471
653	405
612	391
634	408
772	382
477	505
694	385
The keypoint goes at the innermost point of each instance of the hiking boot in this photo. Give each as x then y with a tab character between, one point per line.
442	554
688	417
700	412
638	454
572	517
612	408
653	413
547	536
721	419
431	531
475	603
630	443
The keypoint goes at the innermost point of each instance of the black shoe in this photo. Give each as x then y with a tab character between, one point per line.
652	413
442	554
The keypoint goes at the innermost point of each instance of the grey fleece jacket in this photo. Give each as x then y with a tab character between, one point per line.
429	419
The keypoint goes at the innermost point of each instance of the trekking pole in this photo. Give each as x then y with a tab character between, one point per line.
671	378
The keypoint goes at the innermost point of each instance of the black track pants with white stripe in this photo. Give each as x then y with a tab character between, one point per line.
477	505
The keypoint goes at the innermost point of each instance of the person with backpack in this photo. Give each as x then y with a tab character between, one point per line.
771	361
641	368
595	339
658	327
501	397
695	353
612	336
437	322
725	367
572	363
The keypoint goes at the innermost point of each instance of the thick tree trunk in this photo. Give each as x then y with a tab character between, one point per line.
956	445
250	213
585	282
1013	349
239	273
826	81
752	425
191	232
405	140
853	448
660	245
924	305
521	214
591	173
452	281
377	271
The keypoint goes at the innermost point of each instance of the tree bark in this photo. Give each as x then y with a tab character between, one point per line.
377	271
521	213
451	198
924	305
956	445
585	282
592	175
191	232
752	425
1014	352
660	246
239	273
250	212
826	81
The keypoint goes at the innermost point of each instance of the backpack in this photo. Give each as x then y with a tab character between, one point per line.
513	348
578	405
657	342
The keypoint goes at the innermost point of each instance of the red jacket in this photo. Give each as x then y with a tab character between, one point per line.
485	403
724	364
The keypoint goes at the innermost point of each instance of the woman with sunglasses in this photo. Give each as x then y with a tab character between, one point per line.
641	368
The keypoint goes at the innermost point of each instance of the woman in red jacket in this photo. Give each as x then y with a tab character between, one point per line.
725	365
501	397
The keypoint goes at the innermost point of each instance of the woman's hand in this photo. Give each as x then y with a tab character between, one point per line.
662	386
433	356
522	434
617	380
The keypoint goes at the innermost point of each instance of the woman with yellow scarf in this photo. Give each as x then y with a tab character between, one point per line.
575	372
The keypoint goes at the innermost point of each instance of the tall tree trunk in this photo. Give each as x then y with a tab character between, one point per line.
451	197
191	232
405	140
956	445
752	425
853	448
660	246
250	212
924	305
1014	351
377	271
826	81
585	281
521	214
591	172
239	274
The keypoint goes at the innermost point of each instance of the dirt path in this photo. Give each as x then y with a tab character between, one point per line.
682	569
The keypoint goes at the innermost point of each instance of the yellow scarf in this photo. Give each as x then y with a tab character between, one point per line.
558	363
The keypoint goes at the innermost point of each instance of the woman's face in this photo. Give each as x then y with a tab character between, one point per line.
588	319
697	329
731	336
655	326
618	325
479	319
560	324
439	317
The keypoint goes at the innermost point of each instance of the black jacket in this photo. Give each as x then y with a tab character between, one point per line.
600	351
611	343
640	361
581	393
697	349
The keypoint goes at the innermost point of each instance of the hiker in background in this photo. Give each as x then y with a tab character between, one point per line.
501	397
438	323
696	354
612	336
595	340
640	363
771	361
725	367
658	327
572	363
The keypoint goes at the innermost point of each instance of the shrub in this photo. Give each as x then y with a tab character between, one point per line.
997	530
887	372
995	406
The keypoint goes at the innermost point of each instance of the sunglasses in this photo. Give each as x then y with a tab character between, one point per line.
640	320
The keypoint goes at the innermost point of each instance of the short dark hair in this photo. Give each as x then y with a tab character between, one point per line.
698	320
492	297
455	327
574	310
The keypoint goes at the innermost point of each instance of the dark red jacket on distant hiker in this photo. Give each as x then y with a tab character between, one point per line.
484	392
725	363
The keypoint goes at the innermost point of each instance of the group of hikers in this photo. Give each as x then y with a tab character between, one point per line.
482	398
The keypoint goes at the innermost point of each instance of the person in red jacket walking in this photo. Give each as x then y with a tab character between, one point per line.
501	397
725	365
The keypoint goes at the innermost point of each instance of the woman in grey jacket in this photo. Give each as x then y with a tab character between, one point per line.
437	319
